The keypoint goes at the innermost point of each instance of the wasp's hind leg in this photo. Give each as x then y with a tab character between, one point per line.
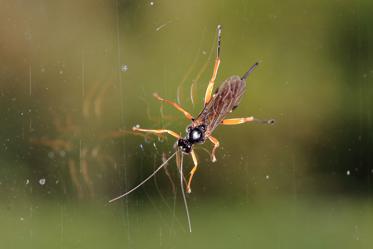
216	145
235	121
210	86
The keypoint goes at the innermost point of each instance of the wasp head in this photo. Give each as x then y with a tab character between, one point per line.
184	145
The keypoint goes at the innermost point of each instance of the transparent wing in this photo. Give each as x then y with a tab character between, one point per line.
225	100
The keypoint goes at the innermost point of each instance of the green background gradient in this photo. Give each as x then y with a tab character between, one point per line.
82	73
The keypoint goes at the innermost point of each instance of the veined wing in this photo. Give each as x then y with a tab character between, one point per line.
225	99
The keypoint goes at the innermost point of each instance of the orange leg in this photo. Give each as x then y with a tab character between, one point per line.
195	161
186	114
235	121
210	86
160	131
216	145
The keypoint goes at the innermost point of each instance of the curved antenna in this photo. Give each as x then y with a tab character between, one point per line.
182	188
144	181
244	77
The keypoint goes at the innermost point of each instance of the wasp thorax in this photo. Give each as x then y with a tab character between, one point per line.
196	134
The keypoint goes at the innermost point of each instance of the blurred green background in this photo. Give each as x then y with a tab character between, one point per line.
75	76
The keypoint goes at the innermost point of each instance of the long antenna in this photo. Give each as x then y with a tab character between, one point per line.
144	181
219	41
244	77
183	192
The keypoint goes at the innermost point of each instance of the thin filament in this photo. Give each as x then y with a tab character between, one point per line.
183	193
144	181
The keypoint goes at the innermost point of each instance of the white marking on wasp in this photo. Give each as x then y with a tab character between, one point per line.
196	135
